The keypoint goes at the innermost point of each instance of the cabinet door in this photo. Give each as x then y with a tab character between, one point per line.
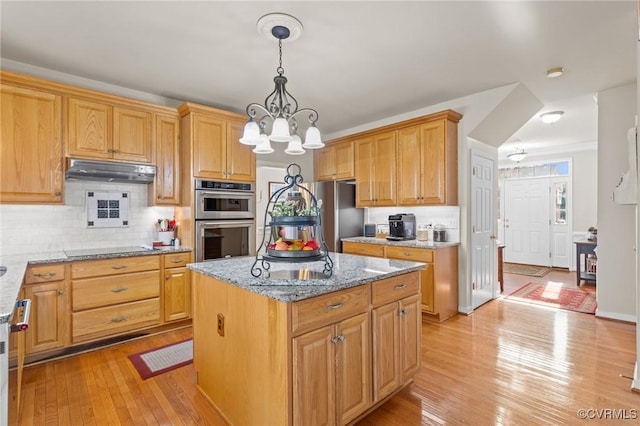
410	336
89	129
385	169
31	148
177	294
49	316
427	288
353	369
314	386
209	147
241	160
433	166
132	135
409	167
365	172
343	160
325	163
386	351
166	187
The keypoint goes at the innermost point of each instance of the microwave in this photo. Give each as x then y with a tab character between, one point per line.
224	200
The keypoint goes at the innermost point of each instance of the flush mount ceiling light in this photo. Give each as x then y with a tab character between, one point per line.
555	72
518	155
551	117
280	107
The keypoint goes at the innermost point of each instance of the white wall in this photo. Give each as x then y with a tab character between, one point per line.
46	228
616	286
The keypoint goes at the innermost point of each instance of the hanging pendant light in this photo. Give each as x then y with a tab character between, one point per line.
280	107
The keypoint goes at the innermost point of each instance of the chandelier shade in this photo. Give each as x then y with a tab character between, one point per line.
280	110
518	155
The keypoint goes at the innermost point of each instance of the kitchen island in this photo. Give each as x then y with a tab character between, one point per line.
300	348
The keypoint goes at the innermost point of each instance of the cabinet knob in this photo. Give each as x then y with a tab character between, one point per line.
166	277
57	193
402	312
60	292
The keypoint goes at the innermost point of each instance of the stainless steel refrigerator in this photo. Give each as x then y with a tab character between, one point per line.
339	215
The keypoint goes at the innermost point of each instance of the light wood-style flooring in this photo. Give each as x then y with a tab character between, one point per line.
506	364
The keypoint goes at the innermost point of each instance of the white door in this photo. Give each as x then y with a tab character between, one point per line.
483	228
526	221
561	245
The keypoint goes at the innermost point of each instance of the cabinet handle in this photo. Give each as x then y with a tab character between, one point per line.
118	266
166	277
337	339
402	312
60	292
57	193
47	275
119	289
399	287
407	254
177	261
118	319
159	197
336	306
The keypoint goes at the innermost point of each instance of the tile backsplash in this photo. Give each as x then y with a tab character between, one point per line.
449	216
46	228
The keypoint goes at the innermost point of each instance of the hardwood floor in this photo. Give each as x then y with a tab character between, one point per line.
507	363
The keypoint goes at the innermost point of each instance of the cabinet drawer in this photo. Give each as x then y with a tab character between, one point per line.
363	249
101	322
120	265
44	273
409	253
395	288
105	291
175	260
312	313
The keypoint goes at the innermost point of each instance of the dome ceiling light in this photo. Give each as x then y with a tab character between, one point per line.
280	107
518	155
555	72
551	117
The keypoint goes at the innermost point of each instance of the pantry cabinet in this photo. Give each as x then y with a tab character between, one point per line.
176	287
31	149
376	170
335	161
427	162
48	289
100	130
213	142
166	187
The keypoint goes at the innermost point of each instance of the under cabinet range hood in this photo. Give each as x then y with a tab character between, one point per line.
107	171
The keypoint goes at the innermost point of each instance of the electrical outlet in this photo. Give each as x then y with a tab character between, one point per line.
221	324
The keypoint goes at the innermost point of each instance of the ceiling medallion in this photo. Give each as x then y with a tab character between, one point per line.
280	107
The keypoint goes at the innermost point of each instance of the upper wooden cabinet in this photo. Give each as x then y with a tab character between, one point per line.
427	162
376	170
166	187
335	161
103	131
31	148
213	144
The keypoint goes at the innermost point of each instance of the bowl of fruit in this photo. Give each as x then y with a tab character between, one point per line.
293	248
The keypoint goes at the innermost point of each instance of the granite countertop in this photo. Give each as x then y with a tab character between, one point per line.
11	281
406	243
348	271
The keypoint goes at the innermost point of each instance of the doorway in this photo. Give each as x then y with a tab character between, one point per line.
535	214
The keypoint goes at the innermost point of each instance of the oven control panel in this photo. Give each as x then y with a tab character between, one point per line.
227	186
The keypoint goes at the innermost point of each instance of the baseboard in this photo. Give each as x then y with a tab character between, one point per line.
615	316
635	383
465	310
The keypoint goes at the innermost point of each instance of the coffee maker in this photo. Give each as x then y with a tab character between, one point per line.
402	227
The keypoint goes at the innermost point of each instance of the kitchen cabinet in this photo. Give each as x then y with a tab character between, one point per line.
100	130
166	186
47	287
335	161
114	296
216	152
376	170
176	287
439	280
427	162
31	149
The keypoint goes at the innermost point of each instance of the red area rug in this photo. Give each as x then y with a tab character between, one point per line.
160	360
556	296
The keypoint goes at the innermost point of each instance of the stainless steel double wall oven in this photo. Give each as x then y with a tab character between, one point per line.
224	219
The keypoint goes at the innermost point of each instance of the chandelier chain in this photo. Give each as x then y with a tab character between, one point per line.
280	70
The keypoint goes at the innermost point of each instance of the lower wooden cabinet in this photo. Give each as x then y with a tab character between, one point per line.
49	319
176	287
336	359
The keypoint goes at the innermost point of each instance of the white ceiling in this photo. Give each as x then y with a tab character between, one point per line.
356	62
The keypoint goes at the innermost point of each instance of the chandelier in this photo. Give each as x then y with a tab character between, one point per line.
280	108
518	155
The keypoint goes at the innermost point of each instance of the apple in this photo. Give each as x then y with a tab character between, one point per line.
307	248
272	246
313	244
281	245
